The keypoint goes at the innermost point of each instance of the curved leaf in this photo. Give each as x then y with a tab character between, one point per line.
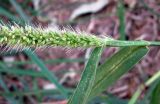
116	66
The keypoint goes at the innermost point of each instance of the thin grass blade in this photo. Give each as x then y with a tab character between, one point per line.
86	83
34	92
50	76
20	11
22	72
155	98
10	99
150	81
10	16
121	16
50	61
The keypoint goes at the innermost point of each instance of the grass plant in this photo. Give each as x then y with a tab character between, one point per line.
95	78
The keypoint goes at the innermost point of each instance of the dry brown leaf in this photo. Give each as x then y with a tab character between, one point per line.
89	8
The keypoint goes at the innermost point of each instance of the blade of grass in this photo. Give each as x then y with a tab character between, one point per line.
50	76
153	78
155	98
134	98
10	16
20	11
148	93
150	9
86	83
10	99
26	88
121	16
136	95
18	72
33	92
50	61
116	66
39	97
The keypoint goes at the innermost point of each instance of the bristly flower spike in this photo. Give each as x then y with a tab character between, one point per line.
37	37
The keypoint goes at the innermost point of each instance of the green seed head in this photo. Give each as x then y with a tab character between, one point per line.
37	37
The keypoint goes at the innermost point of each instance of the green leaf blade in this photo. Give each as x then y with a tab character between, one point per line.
11	16
10	99
155	98
86	83
121	15
50	76
116	66
20	11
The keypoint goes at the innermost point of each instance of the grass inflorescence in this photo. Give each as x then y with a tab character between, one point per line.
37	37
